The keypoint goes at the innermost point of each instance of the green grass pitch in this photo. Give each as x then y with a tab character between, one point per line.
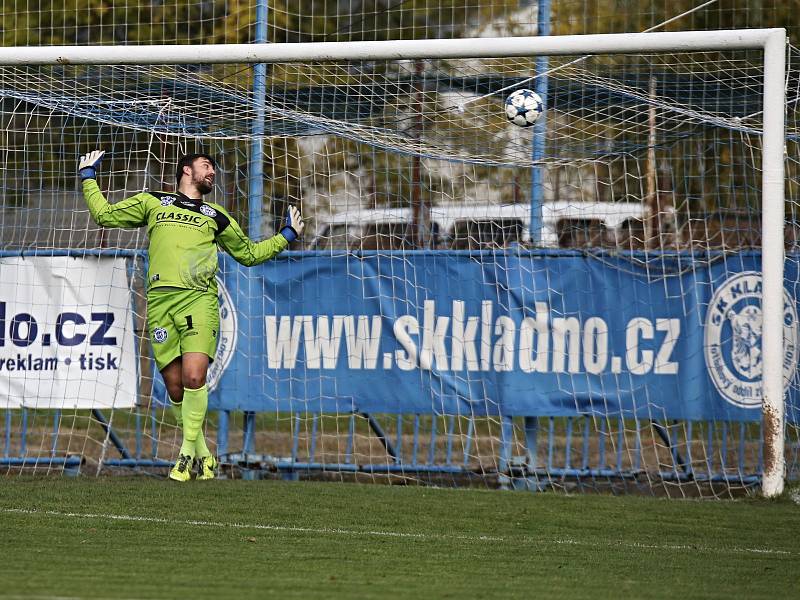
147	538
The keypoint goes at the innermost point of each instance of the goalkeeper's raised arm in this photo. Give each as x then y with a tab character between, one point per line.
128	213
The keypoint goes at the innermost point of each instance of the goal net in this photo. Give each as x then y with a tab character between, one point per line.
576	303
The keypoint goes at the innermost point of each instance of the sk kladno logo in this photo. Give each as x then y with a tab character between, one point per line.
226	337
733	330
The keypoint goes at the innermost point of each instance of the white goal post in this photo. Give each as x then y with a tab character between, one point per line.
771	41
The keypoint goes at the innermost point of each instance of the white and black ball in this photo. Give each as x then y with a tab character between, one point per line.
524	107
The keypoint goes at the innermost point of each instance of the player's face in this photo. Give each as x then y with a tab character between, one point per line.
203	175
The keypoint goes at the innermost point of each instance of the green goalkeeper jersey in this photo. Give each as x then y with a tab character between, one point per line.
184	234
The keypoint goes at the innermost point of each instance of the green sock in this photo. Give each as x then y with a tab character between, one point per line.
200	448
195	403
176	408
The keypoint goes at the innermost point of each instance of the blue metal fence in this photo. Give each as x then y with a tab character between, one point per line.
530	452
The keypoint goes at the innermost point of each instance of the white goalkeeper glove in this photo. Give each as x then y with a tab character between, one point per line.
293	227
87	167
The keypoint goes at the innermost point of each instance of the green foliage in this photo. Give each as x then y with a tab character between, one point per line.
69	22
621	16
329	21
31	23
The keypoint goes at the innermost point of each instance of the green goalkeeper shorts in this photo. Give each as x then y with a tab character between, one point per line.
182	321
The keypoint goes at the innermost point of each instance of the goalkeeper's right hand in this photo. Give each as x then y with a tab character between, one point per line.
87	167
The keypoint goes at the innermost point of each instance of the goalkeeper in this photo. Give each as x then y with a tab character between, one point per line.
182	304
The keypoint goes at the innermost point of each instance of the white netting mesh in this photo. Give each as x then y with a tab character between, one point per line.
649	165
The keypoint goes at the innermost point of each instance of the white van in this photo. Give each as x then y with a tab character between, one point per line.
482	226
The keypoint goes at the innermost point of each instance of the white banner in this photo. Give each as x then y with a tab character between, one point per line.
66	333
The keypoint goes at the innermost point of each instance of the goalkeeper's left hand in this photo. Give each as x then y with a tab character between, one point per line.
293	227
88	164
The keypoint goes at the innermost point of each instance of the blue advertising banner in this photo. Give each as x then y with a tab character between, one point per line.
511	333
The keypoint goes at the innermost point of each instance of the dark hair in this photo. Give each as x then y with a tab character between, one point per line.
188	161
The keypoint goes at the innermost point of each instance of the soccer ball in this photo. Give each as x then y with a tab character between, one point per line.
524	107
